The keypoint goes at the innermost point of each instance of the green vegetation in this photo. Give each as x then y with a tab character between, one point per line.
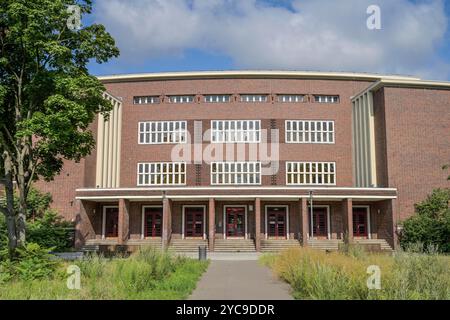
48	99
146	274
431	223
45	227
405	275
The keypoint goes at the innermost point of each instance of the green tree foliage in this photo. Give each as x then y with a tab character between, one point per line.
45	227
47	97
431	224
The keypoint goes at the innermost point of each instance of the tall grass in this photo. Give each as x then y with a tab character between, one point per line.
405	275
147	274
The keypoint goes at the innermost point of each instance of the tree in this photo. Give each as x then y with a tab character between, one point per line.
431	224
47	97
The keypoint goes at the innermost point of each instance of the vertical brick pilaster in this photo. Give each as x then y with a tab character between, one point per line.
212	223
347	208
305	225
166	223
258	224
124	221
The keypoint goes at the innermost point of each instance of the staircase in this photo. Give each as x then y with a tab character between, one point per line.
325	244
234	245
385	246
90	248
187	245
154	243
278	245
93	245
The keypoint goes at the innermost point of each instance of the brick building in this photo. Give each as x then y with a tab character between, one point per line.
361	148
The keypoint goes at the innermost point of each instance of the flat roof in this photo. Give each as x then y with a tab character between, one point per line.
419	84
252	74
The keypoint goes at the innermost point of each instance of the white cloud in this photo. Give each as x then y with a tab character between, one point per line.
316	35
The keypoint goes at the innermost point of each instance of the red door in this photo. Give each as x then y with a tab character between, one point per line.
152	222
193	218
360	222
276	220
235	217
320	222
111	222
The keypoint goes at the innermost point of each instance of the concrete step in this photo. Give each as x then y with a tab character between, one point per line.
187	245
271	245
319	244
234	245
90	248
384	245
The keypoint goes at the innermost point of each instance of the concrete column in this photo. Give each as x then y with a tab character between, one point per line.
347	206
124	221
166	223
395	218
305	223
212	223
258	224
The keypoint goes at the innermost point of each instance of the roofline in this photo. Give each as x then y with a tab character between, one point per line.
421	84
250	74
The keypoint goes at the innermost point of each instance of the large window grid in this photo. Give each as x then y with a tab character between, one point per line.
254	97
161	173
309	131
161	132
182	99
235	173
310	173
291	98
146	100
326	99
217	98
235	131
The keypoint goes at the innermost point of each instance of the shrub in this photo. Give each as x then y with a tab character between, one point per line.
50	230
32	262
431	224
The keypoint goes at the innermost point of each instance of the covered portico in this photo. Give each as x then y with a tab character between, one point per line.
159	216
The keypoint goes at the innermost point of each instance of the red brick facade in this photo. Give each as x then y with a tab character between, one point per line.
412	142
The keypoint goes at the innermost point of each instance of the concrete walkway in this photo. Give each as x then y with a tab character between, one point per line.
239	280
235	256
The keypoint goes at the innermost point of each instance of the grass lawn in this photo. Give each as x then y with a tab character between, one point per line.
405	275
148	274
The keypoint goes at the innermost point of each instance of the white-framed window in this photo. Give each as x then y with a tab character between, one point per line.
235	173
217	98
161	173
146	100
326	99
305	173
291	98
235	131
182	99
160	132
309	131
254	97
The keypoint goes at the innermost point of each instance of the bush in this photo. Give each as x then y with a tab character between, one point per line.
44	226
3	235
431	224
32	262
50	230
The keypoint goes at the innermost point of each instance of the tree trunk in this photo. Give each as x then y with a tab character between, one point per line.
9	209
22	210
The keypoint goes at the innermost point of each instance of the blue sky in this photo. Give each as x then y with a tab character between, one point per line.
324	35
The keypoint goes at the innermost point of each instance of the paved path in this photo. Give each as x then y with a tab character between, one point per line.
239	280
226	256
